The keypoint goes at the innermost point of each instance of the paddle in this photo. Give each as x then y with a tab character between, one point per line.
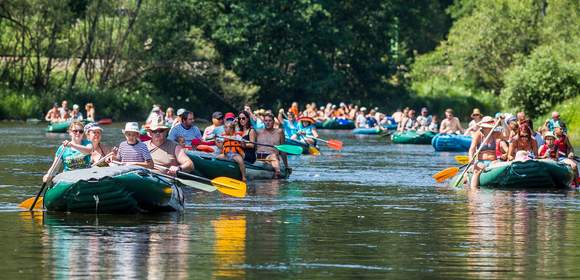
31	203
190	183
225	185
285	148
103	159
334	144
462	159
497	122
313	151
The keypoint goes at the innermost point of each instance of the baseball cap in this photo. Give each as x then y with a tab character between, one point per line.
229	116
217	115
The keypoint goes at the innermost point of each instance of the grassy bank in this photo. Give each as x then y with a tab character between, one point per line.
570	114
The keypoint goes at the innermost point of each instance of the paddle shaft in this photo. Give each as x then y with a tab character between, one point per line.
102	159
184	174
476	153
277	147
49	172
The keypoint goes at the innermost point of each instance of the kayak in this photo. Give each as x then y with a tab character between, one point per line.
451	143
207	165
306	148
61	127
335	124
373	130
115	189
412	137
542	174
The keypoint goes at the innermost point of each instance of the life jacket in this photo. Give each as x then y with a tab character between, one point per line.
553	152
232	146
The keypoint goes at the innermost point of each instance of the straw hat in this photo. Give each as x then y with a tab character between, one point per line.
475	112
549	134
487	122
157	126
306	119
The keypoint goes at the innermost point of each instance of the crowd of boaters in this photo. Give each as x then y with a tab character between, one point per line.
64	113
234	136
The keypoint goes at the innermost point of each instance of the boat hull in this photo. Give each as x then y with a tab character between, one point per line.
207	165
412	137
451	143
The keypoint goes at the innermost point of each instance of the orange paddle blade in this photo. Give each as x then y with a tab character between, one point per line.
28	202
445	174
334	144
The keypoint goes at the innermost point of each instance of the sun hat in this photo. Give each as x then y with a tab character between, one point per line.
156	108
131	127
306	119
156	126
487	122
217	115
549	134
180	111
475	112
363	109
92	126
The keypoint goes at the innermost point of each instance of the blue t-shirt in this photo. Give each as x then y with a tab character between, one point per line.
74	159
188	134
371	122
306	129
290	127
257	124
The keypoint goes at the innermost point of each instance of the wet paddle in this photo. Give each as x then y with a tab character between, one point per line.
31	203
224	185
334	144
285	148
462	159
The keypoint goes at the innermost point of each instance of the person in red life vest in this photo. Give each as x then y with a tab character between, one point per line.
231	144
565	149
549	150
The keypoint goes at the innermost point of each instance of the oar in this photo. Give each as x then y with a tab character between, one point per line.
190	183
462	159
103	159
32	202
285	148
475	154
225	185
334	144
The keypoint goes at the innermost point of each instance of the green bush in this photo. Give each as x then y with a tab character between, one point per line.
18	105
541	82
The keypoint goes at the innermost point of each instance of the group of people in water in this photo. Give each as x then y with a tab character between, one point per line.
249	136
63	113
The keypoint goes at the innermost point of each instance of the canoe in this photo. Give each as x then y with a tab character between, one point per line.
116	189
451	143
306	148
335	124
61	127
374	130
207	165
412	137
541	174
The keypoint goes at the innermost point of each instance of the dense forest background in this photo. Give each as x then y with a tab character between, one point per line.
214	54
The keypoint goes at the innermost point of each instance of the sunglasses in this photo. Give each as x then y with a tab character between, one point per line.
159	131
242	118
77	131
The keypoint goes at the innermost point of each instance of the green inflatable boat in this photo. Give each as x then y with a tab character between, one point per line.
207	165
61	127
116	189
412	137
540	174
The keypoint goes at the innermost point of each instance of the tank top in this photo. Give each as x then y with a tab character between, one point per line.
269	138
249	153
163	155
562	144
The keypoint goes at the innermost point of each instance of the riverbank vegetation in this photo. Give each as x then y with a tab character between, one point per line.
205	55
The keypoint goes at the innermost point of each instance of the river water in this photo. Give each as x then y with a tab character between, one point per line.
369	211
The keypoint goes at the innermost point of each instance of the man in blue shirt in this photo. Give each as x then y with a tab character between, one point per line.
185	129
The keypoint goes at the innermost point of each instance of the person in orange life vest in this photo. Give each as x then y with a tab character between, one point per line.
548	150
231	144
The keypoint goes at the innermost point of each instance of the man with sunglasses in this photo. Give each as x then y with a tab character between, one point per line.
185	129
167	153
271	136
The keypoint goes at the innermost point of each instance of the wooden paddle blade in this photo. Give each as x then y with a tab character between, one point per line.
445	174
334	144
290	149
462	159
313	151
230	186
28	202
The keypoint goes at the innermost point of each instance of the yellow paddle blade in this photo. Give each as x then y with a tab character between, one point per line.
313	151
230	186
28	202
445	174
462	159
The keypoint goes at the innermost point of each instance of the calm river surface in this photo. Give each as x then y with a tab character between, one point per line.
370	211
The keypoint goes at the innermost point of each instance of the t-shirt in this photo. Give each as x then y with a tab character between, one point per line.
361	120
74	159
188	134
257	124
133	152
210	132
371	122
424	121
552	125
290	128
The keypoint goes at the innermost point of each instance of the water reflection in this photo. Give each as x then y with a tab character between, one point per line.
230	245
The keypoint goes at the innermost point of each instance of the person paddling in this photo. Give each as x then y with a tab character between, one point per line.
271	136
487	154
306	131
76	152
167	153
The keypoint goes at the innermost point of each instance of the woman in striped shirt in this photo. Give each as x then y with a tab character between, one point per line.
133	152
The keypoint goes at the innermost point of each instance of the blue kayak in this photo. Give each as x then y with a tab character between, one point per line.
451	143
